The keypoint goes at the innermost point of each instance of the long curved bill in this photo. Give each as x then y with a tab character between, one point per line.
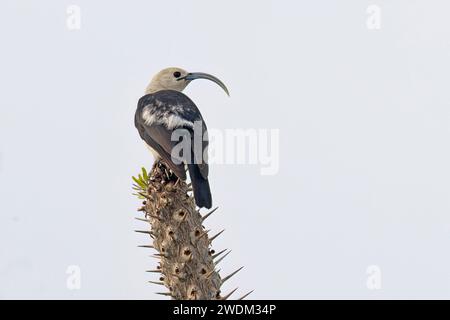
202	75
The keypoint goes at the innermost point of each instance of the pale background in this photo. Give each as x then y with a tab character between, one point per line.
364	143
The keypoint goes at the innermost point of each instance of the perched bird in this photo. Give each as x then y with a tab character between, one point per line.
163	110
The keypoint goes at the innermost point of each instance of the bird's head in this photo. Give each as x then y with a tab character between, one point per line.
177	79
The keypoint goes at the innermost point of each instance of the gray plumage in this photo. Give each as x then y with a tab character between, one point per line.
165	109
158	114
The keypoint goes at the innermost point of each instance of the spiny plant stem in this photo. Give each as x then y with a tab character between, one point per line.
186	261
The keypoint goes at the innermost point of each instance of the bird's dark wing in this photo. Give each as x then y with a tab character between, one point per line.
158	138
158	115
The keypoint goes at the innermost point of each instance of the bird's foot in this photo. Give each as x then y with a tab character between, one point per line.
171	176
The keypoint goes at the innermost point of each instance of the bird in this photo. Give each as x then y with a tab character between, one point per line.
163	112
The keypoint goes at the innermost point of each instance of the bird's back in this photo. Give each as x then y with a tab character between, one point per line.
165	102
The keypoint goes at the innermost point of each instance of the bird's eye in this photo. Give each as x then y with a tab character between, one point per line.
177	74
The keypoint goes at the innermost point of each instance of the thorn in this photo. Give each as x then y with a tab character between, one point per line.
231	274
209	274
203	234
141	219
228	295
245	295
144	231
146	196
214	237
164	293
209	213
219	253
159	254
153	216
157	282
154	271
217	262
146	246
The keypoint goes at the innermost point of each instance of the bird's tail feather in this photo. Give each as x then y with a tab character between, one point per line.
200	186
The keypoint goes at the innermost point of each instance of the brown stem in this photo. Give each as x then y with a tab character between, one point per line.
185	257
